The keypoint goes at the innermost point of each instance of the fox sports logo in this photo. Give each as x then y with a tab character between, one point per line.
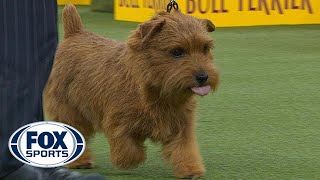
46	144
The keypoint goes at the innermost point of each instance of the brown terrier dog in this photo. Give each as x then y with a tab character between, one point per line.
134	90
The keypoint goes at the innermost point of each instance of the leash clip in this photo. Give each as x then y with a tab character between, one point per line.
172	4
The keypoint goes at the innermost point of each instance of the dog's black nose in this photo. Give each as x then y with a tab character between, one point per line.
202	77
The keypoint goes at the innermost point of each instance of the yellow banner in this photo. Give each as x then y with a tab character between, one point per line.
227	12
79	2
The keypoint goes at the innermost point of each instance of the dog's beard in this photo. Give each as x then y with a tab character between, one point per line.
179	85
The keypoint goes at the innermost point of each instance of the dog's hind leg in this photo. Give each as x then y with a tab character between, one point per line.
66	114
85	161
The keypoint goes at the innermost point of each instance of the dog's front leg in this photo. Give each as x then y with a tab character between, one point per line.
183	153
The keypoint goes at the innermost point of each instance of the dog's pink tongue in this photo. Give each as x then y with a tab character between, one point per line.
201	91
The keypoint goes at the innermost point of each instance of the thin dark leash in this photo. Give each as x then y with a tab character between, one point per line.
172	4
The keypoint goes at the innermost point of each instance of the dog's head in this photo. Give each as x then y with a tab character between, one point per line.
172	55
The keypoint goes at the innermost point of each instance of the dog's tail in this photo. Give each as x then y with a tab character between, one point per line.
71	21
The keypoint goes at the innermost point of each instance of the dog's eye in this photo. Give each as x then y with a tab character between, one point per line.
206	49
177	52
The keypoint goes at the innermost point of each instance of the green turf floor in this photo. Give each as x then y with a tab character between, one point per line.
264	121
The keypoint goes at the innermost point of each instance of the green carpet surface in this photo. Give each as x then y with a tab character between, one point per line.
264	120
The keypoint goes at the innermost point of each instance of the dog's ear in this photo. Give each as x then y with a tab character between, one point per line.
150	28
209	25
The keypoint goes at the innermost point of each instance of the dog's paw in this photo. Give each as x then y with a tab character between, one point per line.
86	166
128	162
189	171
80	165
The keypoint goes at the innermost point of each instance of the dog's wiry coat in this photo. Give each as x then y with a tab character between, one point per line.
133	90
